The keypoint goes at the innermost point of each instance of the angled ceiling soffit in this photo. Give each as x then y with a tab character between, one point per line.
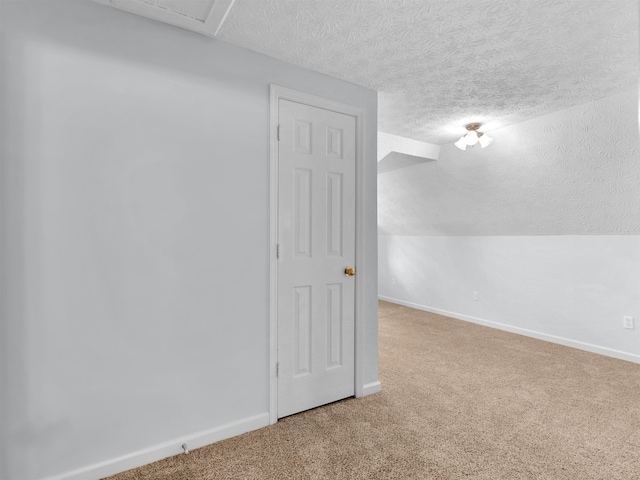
395	152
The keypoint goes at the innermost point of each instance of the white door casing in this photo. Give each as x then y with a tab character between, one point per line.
316	326
316	217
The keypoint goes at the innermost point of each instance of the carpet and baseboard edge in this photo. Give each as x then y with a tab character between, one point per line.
608	352
371	388
165	449
174	447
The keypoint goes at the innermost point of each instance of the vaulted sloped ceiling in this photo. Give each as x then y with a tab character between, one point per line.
436	64
573	172
554	81
440	64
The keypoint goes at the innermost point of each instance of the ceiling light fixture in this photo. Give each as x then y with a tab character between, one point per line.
472	137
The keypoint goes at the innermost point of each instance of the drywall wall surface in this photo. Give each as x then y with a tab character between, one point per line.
574	288
573	172
135	220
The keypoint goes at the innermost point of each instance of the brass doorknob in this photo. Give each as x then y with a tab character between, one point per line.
349	271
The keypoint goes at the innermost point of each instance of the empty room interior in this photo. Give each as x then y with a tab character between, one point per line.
319	239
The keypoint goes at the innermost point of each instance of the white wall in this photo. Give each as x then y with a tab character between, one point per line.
573	290
135	235
544	224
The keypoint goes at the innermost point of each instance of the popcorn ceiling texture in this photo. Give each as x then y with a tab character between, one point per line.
568	173
441	64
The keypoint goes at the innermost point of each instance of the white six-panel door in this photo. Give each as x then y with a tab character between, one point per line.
316	237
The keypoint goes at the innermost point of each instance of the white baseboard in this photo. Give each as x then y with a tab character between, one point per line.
371	388
609	352
164	450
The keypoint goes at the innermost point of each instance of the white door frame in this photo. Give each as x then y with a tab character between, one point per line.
278	93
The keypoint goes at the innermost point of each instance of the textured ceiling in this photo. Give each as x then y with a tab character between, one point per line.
439	64
573	172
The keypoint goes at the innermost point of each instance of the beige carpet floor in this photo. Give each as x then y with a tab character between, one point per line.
459	401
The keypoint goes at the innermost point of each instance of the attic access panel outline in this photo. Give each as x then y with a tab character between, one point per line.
204	17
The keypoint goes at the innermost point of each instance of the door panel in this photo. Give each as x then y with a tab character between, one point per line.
316	234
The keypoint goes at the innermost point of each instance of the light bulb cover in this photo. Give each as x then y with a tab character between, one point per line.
471	138
461	144
485	140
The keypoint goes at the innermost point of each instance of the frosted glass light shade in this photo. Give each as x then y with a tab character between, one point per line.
471	138
461	144
485	140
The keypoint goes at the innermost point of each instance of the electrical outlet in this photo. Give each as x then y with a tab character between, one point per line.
476	296
627	322
393	281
